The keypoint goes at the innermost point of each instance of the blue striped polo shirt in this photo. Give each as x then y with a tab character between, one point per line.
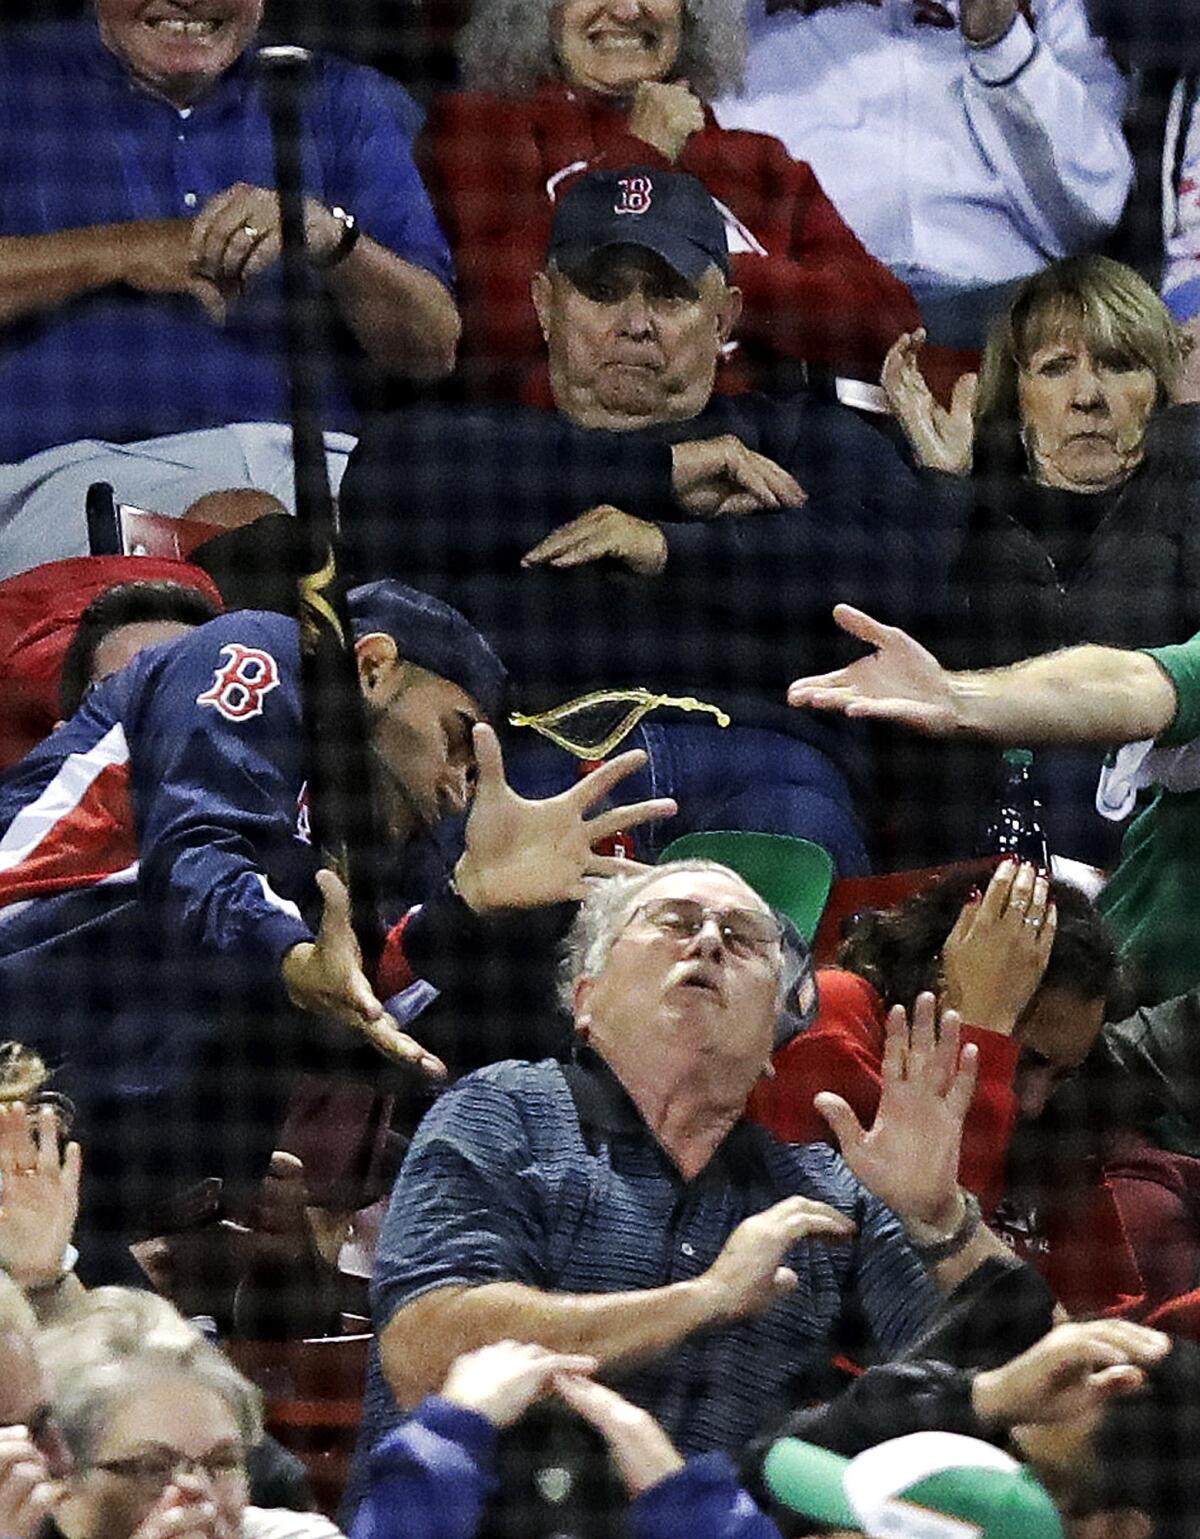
547	1176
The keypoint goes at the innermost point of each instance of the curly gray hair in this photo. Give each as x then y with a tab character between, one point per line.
508	46
607	910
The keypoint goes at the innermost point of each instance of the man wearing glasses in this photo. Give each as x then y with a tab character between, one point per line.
621	1205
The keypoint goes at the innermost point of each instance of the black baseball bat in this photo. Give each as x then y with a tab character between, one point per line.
346	824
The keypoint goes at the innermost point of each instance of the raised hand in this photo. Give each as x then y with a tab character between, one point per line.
26	1489
503	1380
325	977
1070	1374
640	1449
995	957
898	681
718	477
525	854
749	1276
941	439
39	1194
666	114
602	533
909	1158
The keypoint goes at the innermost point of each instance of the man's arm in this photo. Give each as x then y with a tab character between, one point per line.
401	314
1086	694
403	317
748	1276
42	272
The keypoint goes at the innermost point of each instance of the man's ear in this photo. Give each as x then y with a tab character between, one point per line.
583	1014
730	312
378	659
541	291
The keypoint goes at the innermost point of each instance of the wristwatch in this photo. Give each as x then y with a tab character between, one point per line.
346	242
934	1246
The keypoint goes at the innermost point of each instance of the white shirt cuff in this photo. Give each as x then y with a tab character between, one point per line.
996	63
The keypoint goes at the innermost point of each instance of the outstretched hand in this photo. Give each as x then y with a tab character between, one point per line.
1071	1373
898	681
325	977
525	854
909	1158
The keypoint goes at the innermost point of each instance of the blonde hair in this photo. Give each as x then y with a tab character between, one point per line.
1106	304
22	1072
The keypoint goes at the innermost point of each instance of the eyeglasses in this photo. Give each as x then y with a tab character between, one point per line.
158	1467
745	931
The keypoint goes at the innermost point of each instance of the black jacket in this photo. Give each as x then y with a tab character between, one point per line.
451	501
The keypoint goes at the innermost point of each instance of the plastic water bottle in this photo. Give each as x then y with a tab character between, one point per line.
1014	823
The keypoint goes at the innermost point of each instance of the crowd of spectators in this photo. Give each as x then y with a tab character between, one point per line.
710	395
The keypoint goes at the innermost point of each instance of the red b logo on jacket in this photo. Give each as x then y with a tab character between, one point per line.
238	687
636	193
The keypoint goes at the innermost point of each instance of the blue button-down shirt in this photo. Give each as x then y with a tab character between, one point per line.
82	144
528	1173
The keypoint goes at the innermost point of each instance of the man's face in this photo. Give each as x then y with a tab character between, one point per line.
1056	1034
178	48
631	342
420	730
660	992
119	648
611	46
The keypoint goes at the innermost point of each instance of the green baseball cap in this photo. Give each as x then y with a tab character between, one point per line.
792	875
928	1485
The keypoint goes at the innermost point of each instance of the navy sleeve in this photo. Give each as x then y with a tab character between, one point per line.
895	1292
432	495
429	1478
216	785
701	1498
468	1205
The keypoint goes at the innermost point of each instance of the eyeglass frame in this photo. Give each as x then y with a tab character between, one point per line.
720	916
128	1468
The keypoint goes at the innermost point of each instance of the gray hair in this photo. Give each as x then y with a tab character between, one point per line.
605	912
508	47
118	1341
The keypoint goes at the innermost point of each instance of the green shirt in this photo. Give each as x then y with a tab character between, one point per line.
1153	898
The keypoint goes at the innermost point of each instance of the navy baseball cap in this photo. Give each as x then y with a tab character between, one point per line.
432	635
667	212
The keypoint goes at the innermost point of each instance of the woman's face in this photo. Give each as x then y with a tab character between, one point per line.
611	46
170	1445
1083	415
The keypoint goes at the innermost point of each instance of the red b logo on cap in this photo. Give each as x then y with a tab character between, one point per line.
636	192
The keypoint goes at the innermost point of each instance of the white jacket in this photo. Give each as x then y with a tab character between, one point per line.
957	166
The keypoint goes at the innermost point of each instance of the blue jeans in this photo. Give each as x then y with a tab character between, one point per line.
745	778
